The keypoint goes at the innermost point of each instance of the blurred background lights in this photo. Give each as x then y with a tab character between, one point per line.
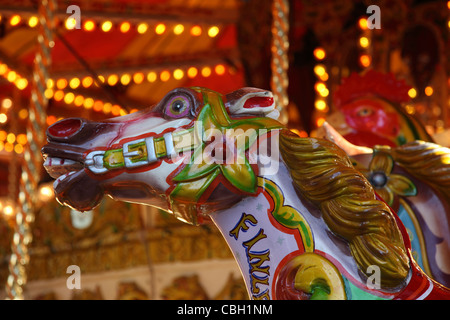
319	53
160	28
107	26
178	29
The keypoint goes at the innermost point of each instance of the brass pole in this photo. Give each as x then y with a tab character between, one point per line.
280	59
31	167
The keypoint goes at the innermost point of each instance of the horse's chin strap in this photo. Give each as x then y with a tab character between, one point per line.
141	152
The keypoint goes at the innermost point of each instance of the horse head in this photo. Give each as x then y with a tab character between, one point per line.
159	156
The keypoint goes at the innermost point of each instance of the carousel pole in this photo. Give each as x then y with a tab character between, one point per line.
31	167
280	59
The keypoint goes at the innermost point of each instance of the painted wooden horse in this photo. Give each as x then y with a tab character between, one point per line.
301	221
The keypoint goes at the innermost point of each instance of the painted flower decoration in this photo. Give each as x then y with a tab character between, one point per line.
387	184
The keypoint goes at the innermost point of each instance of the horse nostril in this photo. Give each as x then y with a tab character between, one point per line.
64	128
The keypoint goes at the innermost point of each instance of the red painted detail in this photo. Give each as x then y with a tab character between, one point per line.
260	102
65	128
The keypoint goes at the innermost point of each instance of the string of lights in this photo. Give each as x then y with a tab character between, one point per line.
56	87
59	89
90	25
13	77
322	91
364	42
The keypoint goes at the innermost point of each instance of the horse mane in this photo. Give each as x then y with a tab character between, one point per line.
323	173
426	161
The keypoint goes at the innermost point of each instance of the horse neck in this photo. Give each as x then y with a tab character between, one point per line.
265	231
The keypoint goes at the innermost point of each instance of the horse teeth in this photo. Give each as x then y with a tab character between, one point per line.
53	161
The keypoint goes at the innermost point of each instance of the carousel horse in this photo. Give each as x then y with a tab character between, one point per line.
369	111
301	221
413	179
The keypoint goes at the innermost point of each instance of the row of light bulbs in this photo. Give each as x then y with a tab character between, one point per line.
138	77
365	58
321	72
13	77
322	91
57	89
124	26
113	79
10	141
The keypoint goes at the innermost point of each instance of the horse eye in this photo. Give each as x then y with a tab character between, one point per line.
364	112
177	107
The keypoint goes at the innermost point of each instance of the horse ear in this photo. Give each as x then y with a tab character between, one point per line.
251	101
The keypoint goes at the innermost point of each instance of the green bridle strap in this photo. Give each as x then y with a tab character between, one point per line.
143	151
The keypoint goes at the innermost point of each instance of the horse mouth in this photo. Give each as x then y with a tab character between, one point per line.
73	187
60	168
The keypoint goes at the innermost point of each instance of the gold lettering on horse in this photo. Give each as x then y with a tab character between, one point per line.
259	273
242	225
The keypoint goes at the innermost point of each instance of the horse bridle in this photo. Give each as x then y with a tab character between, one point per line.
142	151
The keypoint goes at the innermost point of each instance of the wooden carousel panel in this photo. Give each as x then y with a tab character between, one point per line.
190	287
53	226
214	280
182	246
116	239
